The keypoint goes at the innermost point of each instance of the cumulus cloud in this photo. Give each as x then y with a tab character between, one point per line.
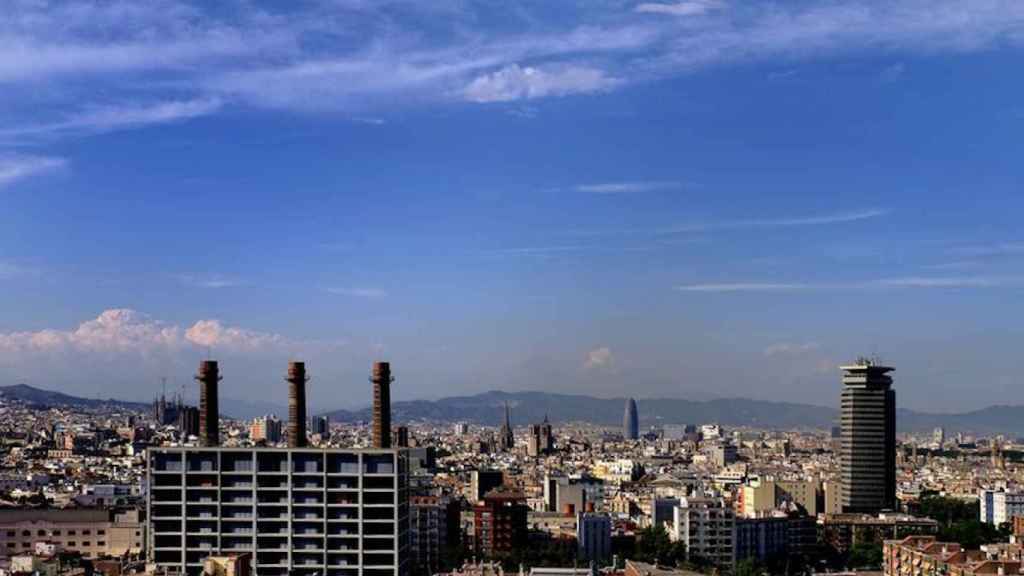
122	330
16	167
599	358
115	330
514	82
213	334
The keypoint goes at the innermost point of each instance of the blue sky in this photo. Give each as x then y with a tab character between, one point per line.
688	198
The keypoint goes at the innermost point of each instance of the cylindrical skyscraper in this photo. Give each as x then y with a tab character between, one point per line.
867	453
209	409
297	404
630	421
381	379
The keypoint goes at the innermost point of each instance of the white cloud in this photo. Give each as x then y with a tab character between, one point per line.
15	168
907	282
523	83
213	334
820	220
790	348
115	330
99	119
626	187
212	282
686	8
741	287
358	292
122	330
599	358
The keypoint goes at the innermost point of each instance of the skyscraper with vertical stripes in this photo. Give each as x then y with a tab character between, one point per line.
867	453
631	421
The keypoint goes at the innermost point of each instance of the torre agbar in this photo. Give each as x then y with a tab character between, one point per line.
292	510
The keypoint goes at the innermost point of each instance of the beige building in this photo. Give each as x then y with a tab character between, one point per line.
764	495
92	532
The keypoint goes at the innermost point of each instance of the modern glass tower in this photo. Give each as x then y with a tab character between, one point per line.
867	453
630	421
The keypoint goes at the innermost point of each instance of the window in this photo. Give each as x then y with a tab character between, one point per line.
26	533
86	532
101	543
11	533
24	544
86	544
10	544
101	532
56	532
72	544
40	532
71	532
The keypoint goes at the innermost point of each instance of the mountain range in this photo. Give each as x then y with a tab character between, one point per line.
532	407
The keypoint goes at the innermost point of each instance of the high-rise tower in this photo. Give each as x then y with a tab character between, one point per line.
297	404
867	453
381	379
209	410
630	421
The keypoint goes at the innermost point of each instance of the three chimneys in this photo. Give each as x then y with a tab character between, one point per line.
209	411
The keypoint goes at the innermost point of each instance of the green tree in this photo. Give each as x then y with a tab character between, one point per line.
865	555
654	546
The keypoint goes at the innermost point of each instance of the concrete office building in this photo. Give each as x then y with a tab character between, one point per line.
999	506
867	454
297	510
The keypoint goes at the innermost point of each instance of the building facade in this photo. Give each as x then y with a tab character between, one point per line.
91	532
707	526
867	454
1000	506
298	511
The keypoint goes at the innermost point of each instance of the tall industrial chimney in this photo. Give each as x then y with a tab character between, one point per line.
209	410
297	404
381	404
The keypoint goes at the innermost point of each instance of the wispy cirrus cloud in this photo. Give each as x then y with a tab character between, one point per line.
213	282
100	119
14	168
685	8
754	223
898	282
627	187
340	55
358	292
526	83
790	348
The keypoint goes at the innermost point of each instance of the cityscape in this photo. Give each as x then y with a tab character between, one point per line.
511	288
176	489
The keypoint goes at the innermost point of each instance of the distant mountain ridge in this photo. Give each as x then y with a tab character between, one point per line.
32	395
532	406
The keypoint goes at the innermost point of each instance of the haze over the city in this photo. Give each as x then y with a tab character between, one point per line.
691	199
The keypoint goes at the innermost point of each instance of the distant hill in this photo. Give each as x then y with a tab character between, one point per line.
38	396
531	407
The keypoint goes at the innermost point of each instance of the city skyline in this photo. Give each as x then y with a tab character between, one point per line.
683	199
